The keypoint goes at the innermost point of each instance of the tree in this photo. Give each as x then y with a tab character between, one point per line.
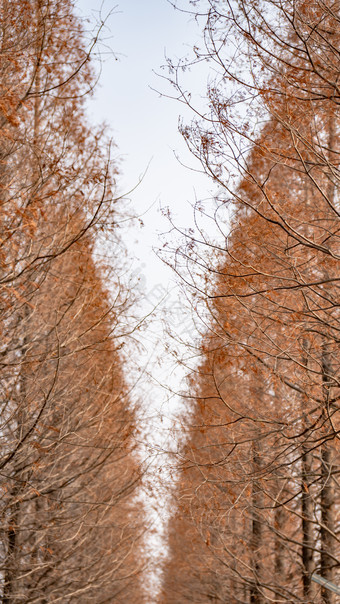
272	297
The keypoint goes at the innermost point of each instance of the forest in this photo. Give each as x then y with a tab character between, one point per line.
252	487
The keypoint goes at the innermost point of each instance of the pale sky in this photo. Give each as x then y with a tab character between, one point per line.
144	125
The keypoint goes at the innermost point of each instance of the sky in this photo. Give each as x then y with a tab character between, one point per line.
144	124
132	99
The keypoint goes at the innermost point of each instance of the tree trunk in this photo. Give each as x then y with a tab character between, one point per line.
327	490
11	562
278	560
327	520
256	528
307	525
307	504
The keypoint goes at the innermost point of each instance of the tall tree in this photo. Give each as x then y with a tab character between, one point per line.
272	297
69	470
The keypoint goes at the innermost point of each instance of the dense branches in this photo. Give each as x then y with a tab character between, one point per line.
262	458
68	466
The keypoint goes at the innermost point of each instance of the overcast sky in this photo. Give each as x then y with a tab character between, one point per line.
144	124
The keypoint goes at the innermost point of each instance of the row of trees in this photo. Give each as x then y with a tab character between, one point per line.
256	509
69	472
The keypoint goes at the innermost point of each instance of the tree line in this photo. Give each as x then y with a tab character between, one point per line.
69	471
255	513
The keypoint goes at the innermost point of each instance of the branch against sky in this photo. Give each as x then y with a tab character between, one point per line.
69	466
255	511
